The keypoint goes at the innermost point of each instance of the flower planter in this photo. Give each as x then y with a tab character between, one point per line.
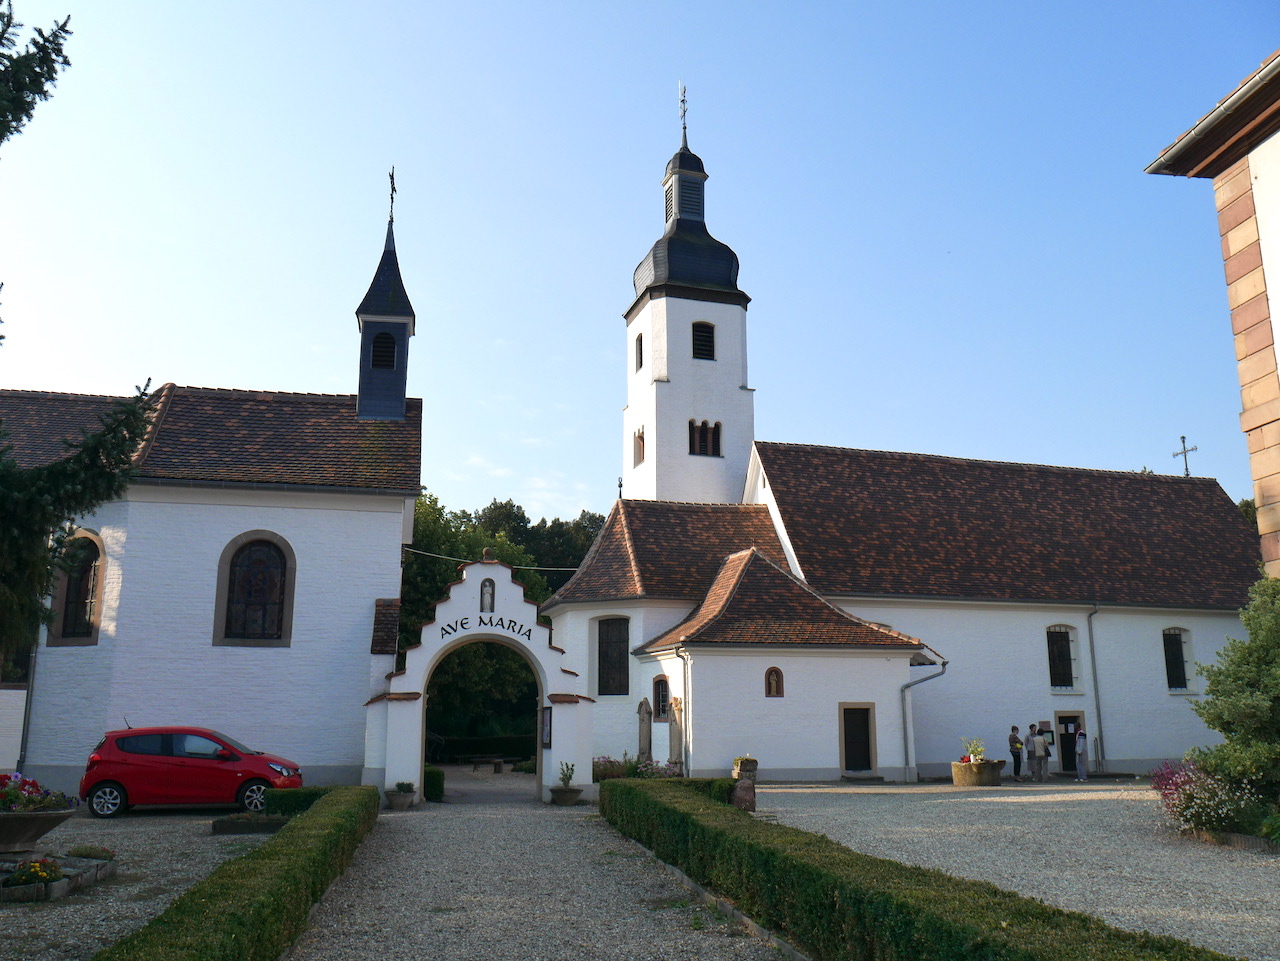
984	773
565	796
19	830
400	800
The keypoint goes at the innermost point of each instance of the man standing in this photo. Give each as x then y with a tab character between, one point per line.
1040	751
1082	753
1015	749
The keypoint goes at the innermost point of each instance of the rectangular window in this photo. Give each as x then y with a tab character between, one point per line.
1175	661
1060	674
612	660
704	341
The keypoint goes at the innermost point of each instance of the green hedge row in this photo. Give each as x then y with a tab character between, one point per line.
432	783
293	800
835	904
507	745
254	907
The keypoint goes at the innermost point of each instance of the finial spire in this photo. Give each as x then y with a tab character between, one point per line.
684	108
391	217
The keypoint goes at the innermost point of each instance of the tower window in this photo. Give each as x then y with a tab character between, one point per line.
704	341
638	448
383	355
639	351
691	199
670	201
704	438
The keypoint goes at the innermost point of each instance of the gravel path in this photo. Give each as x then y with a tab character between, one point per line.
160	854
1102	848
513	879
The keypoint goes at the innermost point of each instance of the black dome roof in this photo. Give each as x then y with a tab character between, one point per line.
688	255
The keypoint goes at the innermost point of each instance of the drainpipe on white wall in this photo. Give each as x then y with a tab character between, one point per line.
1100	761
906	728
26	706
685	750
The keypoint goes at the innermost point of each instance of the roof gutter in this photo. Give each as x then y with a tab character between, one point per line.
262	486
1168	159
906	737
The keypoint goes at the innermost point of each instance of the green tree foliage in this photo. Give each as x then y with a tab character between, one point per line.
39	504
558	545
1248	510
1243	697
27	76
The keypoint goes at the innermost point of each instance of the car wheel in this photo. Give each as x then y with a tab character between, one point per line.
253	796
107	799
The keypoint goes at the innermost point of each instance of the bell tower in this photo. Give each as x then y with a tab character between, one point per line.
386	321
689	422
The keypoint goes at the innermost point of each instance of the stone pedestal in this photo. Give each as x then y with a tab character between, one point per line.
976	773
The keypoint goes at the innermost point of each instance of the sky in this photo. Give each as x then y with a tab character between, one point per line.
940	212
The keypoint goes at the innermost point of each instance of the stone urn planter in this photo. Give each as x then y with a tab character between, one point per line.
19	830
400	800
565	796
744	768
983	773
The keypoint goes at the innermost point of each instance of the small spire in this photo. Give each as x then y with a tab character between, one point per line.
684	108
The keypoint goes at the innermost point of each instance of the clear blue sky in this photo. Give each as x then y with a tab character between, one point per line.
939	209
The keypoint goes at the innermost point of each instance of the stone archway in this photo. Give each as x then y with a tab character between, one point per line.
485	604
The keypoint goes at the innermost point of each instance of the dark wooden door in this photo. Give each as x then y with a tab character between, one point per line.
1066	746
857	739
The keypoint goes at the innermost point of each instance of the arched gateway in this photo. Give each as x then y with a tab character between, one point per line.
485	604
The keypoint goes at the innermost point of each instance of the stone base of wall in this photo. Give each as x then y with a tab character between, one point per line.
1241	842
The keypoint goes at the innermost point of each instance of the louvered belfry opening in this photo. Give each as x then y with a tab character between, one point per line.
704	341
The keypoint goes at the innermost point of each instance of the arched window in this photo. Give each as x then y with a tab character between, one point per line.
486	596
639	351
661	698
254	601
613	640
704	341
1176	644
1061	641
638	448
78	593
773	682
704	438
715	440
383	355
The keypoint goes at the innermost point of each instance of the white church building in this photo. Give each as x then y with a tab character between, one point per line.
830	612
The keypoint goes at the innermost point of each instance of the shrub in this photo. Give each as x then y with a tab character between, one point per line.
525	767
94	852
253	907
1197	799
432	783
835	904
605	768
293	800
1270	828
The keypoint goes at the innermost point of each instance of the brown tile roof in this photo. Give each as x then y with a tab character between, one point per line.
666	549
754	601
879	523
202	434
386	626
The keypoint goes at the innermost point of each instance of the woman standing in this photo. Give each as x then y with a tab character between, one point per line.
1015	748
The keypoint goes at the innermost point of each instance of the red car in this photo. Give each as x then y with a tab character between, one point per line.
179	765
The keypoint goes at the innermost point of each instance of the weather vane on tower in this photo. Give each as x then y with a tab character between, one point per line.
392	215
684	108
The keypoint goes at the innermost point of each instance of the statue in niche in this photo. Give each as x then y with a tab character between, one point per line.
675	740
486	596
645	713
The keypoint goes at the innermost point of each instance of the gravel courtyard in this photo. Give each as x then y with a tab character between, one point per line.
1101	848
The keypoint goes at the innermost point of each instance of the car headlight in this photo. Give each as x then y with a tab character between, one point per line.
281	769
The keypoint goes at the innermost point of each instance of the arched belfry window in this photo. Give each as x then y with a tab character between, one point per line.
383	353
639	351
638	448
773	682
704	438
254	600
78	593
486	596
704	341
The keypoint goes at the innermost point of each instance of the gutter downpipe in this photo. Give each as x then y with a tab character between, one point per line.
906	739
1100	761
26	707
688	715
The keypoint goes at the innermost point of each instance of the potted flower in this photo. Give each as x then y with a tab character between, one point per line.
28	811
744	768
975	769
566	794
401	799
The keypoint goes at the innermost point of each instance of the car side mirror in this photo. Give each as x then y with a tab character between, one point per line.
225	755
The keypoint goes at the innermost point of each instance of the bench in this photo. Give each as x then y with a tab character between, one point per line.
497	760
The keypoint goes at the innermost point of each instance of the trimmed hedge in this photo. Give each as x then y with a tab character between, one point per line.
836	904
432	784
254	907
292	800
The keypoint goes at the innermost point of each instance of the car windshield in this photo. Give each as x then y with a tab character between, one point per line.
235	745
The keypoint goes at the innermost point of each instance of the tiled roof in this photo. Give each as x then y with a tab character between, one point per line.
754	601
666	549
879	523
386	626
202	434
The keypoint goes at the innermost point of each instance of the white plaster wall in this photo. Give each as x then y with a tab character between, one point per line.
1264	168
674	387
797	735
998	675
12	706
155	662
